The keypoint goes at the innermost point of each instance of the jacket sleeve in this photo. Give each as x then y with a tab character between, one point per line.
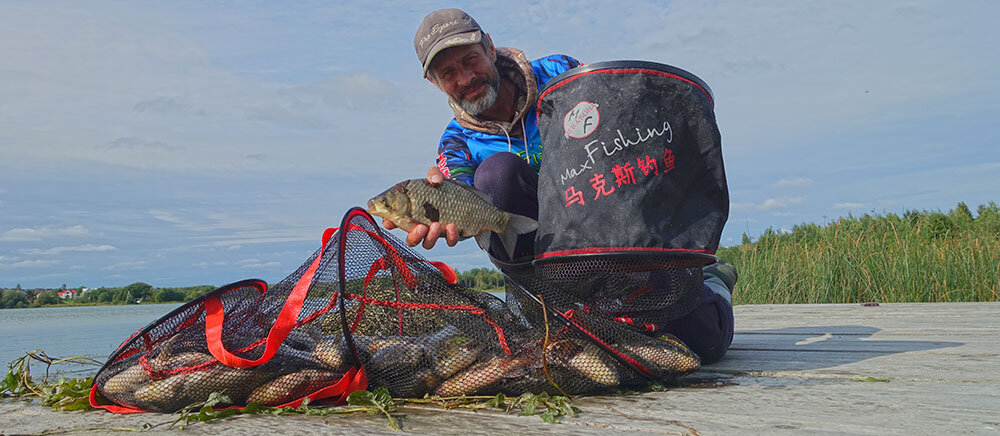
454	159
553	65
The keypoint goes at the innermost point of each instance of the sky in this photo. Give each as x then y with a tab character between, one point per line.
188	143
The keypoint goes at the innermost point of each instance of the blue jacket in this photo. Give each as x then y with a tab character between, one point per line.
468	140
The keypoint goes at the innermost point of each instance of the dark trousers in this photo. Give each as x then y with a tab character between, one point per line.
708	329
513	186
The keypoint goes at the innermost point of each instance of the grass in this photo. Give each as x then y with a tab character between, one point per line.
918	257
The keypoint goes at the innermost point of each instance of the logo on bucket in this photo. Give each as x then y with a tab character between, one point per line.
582	120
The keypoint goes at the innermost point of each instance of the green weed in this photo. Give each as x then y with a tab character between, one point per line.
918	257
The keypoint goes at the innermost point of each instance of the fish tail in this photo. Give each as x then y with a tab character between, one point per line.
516	225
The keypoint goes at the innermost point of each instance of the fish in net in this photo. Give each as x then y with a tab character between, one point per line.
365	311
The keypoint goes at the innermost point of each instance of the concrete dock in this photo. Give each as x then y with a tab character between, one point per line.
892	369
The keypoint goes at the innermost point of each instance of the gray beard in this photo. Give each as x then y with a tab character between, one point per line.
484	102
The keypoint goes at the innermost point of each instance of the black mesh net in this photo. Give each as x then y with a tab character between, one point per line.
365	311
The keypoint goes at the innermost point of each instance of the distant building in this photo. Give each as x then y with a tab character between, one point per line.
68	294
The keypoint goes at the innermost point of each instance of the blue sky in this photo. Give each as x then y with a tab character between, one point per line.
186	142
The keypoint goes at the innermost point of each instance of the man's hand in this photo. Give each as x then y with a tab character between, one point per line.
429	234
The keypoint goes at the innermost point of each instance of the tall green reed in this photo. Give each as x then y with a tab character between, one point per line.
918	257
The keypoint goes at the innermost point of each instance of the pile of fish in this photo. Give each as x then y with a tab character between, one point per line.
445	363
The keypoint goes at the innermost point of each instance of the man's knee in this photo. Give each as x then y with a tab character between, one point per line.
498	170
510	182
708	329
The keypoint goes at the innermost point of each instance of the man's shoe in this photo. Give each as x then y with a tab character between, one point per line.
724	271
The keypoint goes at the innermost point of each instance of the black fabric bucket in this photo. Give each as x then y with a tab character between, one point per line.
632	190
632	163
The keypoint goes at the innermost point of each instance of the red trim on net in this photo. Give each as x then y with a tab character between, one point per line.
397	259
158	375
380	264
622	71
353	380
133	350
635	364
215	316
449	274
599	250
649	327
126	354
377	265
400	261
113	408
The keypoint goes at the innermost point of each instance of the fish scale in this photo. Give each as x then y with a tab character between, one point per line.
453	203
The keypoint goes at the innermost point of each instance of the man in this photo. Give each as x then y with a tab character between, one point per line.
493	144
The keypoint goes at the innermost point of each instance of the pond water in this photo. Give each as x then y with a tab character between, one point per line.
91	331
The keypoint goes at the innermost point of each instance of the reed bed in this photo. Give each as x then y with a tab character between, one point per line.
920	256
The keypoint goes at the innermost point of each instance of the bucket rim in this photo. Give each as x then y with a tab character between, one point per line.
626	65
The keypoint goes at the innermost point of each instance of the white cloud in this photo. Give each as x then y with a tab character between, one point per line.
779	203
37	263
26	234
127	266
135	143
64	249
166	216
258	264
849	205
21	234
167	106
797	182
204	264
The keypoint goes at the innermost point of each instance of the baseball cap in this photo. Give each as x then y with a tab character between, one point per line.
444	28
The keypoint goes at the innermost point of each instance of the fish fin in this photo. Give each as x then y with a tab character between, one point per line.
521	224
483	239
516	225
483	195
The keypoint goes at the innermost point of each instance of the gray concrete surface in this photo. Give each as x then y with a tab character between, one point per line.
894	369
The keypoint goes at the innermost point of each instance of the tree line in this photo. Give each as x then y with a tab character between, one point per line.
134	293
482	279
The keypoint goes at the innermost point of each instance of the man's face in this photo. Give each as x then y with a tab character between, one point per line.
468	75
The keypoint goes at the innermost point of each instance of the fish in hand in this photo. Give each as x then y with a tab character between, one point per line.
416	201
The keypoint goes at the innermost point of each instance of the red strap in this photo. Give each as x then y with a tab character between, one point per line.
215	316
400	262
353	380
449	274
110	407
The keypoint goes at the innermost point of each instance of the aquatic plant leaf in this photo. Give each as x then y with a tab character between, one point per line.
499	401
